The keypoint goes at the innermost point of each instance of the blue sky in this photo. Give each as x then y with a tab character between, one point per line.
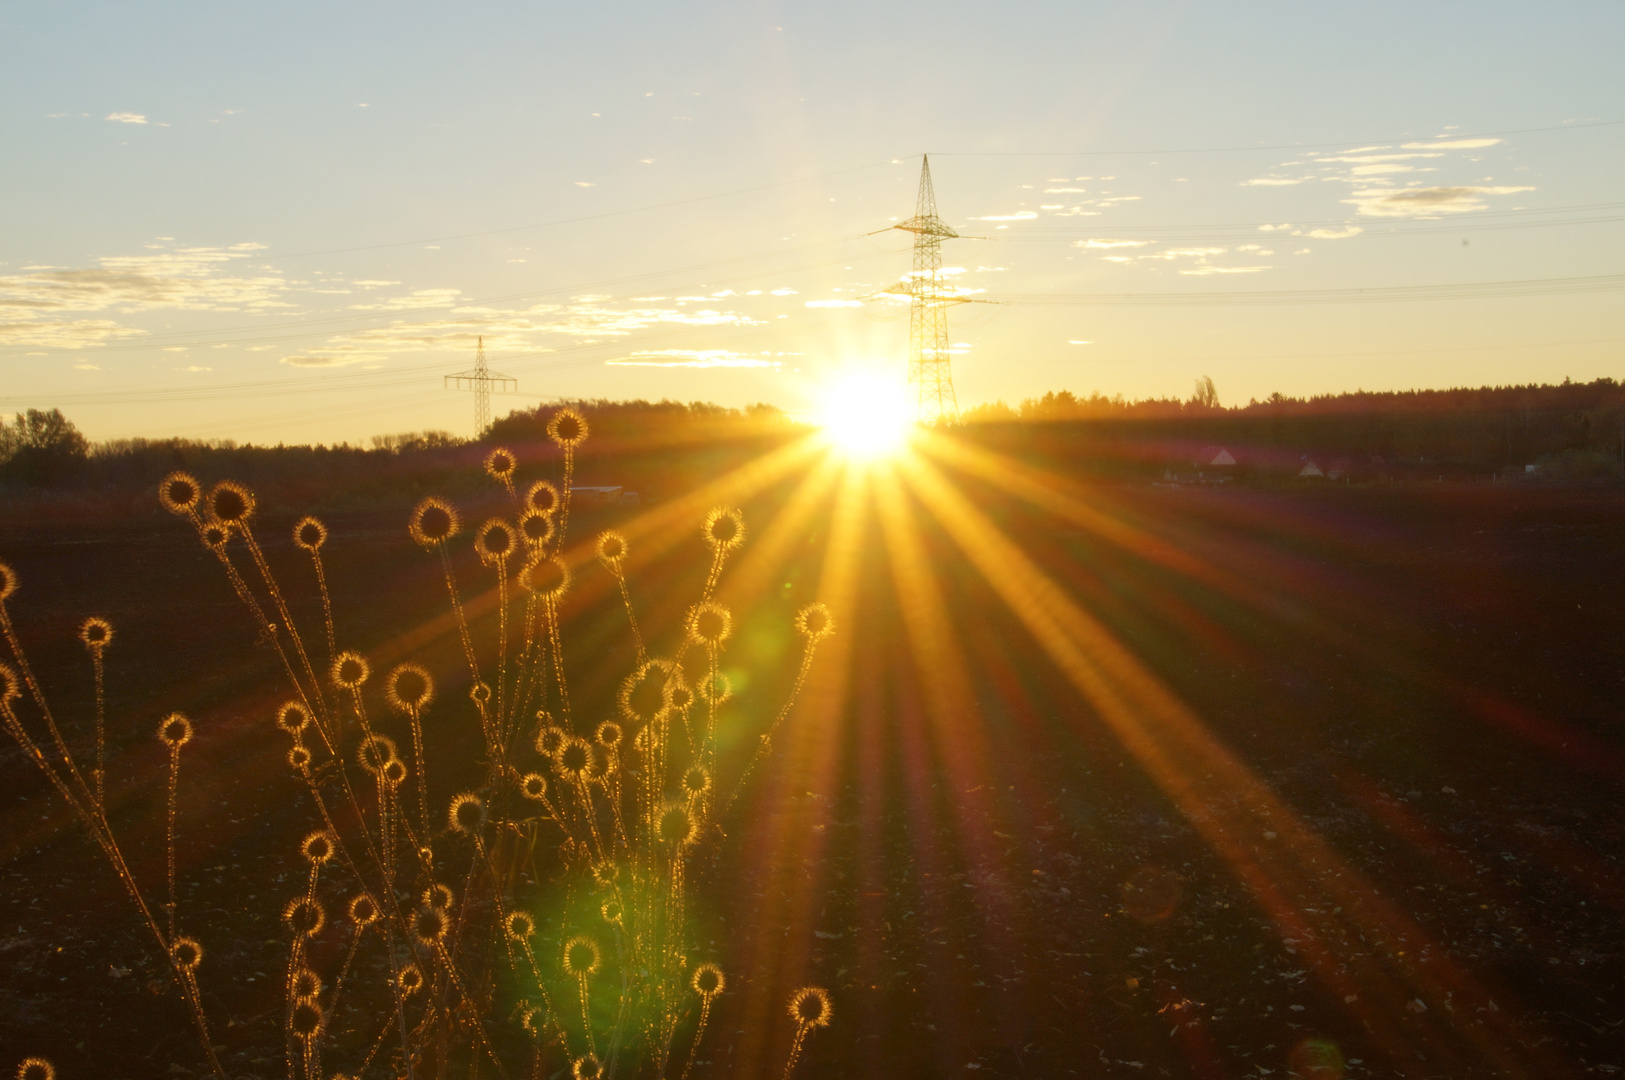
286	222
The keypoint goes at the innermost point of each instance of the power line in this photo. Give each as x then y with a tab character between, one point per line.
1280	146
1472	290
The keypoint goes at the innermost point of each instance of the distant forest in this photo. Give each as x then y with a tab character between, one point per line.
1572	431
654	448
1568	431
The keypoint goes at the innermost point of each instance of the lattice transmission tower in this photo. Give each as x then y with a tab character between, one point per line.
480	380
929	296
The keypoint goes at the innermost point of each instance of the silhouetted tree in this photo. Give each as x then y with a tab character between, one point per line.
41	448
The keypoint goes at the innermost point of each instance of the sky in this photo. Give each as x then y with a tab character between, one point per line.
288	222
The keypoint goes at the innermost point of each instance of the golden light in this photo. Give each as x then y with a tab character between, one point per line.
867	415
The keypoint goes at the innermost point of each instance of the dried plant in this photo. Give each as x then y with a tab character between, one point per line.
544	907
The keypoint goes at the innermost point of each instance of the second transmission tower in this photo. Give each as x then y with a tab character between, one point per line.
929	374
480	380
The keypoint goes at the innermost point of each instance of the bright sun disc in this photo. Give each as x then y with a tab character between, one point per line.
867	415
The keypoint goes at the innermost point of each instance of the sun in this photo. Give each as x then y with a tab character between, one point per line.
867	415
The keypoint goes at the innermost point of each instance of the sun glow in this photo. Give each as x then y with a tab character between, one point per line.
867	415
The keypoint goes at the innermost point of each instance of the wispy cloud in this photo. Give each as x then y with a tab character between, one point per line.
1203	271
185	278
127	118
695	358
63	334
1425	202
1452	144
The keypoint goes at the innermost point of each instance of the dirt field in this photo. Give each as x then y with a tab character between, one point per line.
1430	678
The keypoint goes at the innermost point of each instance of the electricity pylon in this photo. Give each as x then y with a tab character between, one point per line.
479	380
929	298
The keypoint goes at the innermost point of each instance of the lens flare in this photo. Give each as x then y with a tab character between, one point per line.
867	415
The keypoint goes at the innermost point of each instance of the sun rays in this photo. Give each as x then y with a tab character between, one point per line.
1314	897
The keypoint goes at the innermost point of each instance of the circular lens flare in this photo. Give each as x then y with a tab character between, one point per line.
867	415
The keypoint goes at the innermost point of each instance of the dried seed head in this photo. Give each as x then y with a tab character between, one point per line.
318	847
519	925
96	632
429	925
187	953
608	734
612	911
587	1067
479	693
305	916
292	718
710	624
349	670
606	873
724	528
375	752
179	493
810	1007
409	980
409	688
547	578
542	497
438	896
676	827
643	693
363	910
394	773
717	690
215	534
500	463
36	1068
531	1018
696	782
10	684
299	758
611	549
567	427
708	981
533	786
536	527
230	502
580	956
549	738
467	814
814	622
310	534
677	694
306	1020
495	542
8	581
175	731
573	758
305	984
433	521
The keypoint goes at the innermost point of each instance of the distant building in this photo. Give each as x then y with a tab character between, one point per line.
1215	457
1310	469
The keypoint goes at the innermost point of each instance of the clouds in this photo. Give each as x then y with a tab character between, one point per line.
1425	202
1375	171
696	358
1201	258
127	118
62	334
184	278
